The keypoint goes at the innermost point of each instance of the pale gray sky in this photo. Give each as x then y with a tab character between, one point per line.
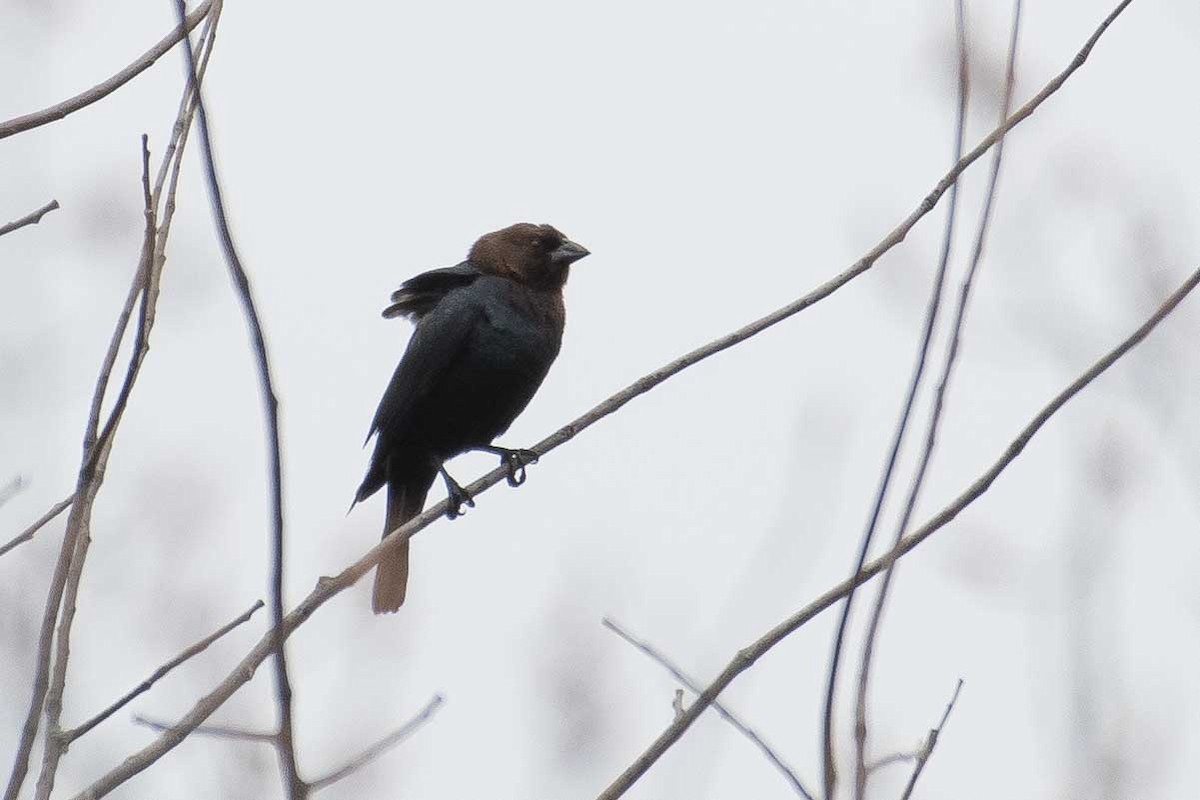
719	161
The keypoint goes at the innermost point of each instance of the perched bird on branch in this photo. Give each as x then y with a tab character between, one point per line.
486	333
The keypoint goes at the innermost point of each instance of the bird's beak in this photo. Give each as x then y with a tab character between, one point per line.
568	253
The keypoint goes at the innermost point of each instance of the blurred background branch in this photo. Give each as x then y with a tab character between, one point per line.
776	760
196	649
28	533
353	765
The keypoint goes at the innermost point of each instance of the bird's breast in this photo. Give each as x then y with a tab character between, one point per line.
518	343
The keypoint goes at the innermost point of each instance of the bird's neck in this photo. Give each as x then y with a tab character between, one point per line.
546	303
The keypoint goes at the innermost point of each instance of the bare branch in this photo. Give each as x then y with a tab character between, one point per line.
297	789
29	219
199	647
864	675
931	742
789	774
379	748
29	532
329	587
219	731
910	398
102	90
745	658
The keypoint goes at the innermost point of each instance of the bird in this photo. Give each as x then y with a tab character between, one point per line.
486	332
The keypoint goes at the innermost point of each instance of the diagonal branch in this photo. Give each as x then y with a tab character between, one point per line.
29	219
864	675
328	587
102	90
297	789
789	774
71	735
29	532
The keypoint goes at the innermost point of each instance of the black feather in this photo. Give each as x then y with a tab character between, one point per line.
417	296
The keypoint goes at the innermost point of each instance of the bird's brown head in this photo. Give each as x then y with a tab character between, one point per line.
536	255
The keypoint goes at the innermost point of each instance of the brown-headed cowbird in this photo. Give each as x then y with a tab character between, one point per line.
486	333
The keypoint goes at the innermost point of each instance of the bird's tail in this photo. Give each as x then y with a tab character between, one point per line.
405	499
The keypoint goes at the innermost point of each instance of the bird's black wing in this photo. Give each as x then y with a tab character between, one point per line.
418	295
435	344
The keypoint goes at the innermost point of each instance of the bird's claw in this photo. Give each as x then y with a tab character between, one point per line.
455	502
456	497
516	461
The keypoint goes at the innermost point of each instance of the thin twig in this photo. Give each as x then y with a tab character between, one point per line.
932	310
788	772
379	748
889	760
143	687
931	742
329	587
29	532
936	414
102	90
297	789
218	731
677	703
29	219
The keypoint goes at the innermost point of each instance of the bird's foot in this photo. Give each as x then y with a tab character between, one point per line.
456	496
515	461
